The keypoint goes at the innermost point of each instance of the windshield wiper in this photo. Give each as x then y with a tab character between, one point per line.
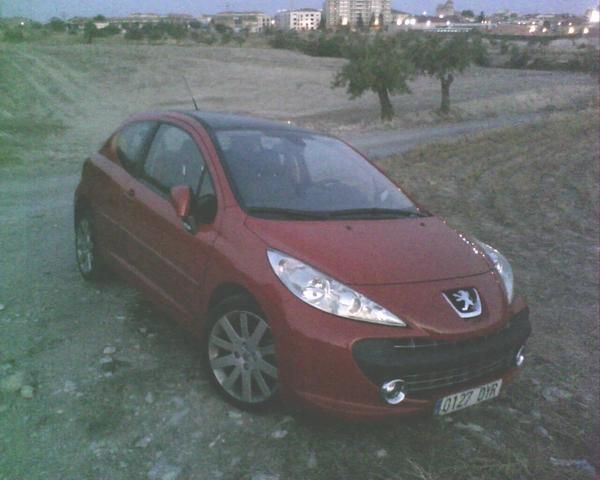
375	212
288	213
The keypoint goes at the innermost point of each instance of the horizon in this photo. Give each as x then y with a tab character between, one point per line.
39	10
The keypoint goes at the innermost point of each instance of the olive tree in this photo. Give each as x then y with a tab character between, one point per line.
444	56
376	64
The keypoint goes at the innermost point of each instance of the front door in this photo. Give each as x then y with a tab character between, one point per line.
169	259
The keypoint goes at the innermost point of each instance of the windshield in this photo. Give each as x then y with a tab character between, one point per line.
306	175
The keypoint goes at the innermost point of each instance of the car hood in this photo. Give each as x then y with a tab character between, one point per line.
376	252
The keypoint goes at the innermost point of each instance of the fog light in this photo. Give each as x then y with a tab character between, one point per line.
520	357
393	391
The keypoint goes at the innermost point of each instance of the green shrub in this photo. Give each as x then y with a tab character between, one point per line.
14	35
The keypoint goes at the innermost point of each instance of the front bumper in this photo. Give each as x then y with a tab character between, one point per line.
427	366
337	366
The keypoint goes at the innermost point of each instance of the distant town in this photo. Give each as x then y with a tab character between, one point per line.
367	15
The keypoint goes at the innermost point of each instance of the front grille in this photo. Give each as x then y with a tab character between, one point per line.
438	379
427	365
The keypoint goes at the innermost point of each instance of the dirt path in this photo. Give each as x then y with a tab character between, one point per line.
383	143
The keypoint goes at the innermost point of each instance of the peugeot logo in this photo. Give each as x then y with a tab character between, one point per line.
464	301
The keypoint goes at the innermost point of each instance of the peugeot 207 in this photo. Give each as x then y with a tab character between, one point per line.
307	274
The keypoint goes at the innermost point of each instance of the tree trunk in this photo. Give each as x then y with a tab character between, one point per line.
446	82
387	110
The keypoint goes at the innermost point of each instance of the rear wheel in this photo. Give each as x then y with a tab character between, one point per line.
240	353
86	248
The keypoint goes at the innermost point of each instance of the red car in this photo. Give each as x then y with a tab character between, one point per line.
307	273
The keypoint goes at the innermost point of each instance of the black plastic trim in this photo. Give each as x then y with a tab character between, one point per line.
384	359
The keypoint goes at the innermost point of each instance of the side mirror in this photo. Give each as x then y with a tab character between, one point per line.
206	208
181	199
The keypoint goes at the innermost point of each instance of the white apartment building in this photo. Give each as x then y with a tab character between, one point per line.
253	22
301	20
348	12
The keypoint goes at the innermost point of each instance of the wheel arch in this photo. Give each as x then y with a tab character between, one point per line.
82	204
226	290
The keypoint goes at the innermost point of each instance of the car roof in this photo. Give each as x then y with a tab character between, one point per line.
226	121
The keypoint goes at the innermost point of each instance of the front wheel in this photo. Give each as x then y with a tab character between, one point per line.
240	353
86	248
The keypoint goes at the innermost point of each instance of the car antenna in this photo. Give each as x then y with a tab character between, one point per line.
191	94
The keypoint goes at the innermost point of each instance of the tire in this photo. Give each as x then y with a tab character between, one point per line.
88	261
240	354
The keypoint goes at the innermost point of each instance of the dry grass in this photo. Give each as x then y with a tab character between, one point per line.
89	89
533	192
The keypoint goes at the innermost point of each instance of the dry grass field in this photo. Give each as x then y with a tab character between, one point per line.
149	412
88	89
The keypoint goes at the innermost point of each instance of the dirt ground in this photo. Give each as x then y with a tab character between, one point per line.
95	384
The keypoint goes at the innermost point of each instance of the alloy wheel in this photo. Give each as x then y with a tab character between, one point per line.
241	353
84	244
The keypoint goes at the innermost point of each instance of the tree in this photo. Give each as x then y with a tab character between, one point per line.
481	17
360	23
468	13
378	64
57	25
443	57
372	21
90	31
323	23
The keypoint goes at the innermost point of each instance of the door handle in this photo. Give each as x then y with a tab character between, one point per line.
131	193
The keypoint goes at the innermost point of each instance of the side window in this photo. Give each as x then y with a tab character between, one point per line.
132	144
174	159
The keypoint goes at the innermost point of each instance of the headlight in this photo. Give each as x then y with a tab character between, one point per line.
502	267
327	294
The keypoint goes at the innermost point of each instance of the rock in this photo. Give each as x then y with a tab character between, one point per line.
381	453
279	434
312	461
143	442
106	360
582	465
69	387
12	383
543	432
177	418
109	350
471	427
215	441
27	391
164	471
553	394
149	398
120	317
264	476
234	414
2	307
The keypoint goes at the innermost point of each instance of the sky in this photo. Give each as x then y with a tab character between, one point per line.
43	10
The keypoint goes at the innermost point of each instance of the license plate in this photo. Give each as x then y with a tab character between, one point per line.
467	398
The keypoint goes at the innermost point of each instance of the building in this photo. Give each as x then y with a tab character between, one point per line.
353	13
399	17
593	15
300	20
252	22
445	10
